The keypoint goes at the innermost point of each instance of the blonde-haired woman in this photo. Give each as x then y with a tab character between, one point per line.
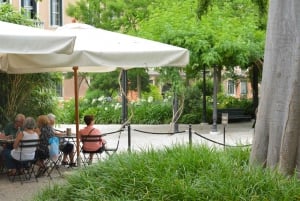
45	132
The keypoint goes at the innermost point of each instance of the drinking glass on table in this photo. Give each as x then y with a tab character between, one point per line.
10	137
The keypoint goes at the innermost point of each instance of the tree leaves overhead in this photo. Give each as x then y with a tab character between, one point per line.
202	7
9	14
108	84
118	15
227	34
262	5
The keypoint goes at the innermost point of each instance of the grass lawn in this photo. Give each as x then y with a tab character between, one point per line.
176	174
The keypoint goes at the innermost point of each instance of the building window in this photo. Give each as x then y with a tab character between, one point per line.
59	89
244	88
56	12
230	87
151	81
30	8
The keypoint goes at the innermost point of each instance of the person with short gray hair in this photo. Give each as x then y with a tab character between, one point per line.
16	154
51	117
13	127
29	123
66	147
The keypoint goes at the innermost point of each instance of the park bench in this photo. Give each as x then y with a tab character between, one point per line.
234	115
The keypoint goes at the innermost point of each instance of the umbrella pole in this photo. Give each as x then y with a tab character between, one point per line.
124	97
75	69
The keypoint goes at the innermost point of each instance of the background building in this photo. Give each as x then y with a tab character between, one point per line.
47	14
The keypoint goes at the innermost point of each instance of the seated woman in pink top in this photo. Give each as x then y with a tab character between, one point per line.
90	130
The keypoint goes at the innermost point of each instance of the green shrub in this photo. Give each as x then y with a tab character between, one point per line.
154	93
150	111
225	101
176	173
145	112
108	111
192	113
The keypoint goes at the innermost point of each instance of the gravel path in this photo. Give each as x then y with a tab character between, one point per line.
235	133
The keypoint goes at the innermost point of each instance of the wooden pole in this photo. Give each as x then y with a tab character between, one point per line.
75	69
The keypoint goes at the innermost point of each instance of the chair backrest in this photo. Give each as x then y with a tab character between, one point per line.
28	144
91	138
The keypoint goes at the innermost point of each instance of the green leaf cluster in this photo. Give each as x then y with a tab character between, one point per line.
9	14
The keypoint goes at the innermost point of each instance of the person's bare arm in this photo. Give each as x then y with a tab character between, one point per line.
18	139
59	133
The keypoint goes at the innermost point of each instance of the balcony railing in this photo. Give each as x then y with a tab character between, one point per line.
38	24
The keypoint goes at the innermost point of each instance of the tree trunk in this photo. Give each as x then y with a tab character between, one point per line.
139	85
276	140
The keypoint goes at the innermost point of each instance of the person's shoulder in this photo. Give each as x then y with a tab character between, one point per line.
36	136
8	125
82	130
96	131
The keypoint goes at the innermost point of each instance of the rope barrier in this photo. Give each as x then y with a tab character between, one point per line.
168	133
147	132
219	142
109	133
113	150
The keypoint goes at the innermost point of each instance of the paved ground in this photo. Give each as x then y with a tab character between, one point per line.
235	134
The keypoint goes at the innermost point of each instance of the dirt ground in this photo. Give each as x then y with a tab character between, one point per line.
235	133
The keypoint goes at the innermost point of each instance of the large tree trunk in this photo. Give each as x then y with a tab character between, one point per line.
276	141
139	85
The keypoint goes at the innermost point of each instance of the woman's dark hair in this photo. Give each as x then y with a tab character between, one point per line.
88	119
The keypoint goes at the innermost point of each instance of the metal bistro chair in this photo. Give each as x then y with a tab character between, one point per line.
25	168
90	139
97	138
53	162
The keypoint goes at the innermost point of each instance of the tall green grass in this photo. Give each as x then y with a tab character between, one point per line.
173	174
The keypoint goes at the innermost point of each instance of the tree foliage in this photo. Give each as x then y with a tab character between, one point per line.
109	84
227	34
120	15
9	14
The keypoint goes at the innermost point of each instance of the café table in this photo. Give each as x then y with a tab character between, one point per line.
7	142
72	139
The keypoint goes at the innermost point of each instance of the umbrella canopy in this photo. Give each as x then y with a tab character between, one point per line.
98	50
19	39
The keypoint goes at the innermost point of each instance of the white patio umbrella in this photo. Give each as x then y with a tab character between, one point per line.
98	50
17	39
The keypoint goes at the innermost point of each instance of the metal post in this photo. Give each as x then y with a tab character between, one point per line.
224	137
190	135
204	96
175	112
225	123
124	96
214	128
129	138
